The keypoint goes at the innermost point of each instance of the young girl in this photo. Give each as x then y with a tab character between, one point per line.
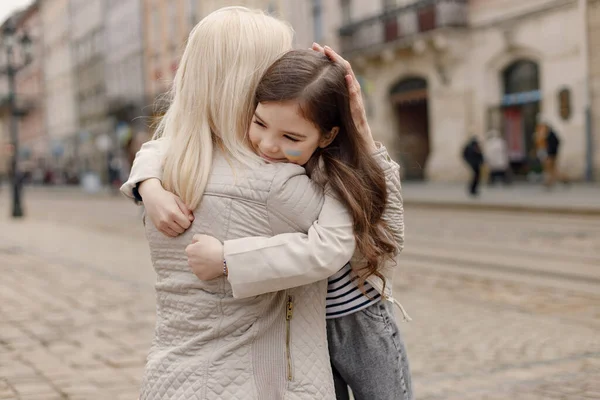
303	117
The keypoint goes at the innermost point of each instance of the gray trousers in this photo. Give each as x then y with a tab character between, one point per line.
368	355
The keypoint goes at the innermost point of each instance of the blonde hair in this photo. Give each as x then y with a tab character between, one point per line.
213	94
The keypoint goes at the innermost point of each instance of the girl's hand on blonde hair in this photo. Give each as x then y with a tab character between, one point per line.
167	211
359	115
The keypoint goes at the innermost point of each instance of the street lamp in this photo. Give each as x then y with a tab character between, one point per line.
11	42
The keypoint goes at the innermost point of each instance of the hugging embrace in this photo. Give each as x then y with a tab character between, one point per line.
274	222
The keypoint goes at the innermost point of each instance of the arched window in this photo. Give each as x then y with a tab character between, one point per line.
521	76
408	85
409	89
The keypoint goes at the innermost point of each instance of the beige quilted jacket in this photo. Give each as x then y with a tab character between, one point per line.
209	344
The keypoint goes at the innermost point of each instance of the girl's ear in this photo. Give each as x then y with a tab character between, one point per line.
328	137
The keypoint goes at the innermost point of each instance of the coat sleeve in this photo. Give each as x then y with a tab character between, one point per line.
260	265
393	214
147	164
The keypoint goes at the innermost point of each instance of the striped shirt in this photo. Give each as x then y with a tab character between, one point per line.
344	297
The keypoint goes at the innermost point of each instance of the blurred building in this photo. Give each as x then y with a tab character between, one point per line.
167	24
320	20
5	146
435	72
94	137
33	136
125	76
59	84
5	143
593	14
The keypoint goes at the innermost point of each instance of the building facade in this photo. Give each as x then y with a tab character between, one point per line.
167	25
95	128
5	142
593	13
433	73
436	72
59	83
33	138
125	76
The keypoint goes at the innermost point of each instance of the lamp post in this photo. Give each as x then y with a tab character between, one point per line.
11	44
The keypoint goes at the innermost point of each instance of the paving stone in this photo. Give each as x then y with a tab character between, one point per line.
79	319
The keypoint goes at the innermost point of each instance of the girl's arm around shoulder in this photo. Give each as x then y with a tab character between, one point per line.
260	265
147	165
294	200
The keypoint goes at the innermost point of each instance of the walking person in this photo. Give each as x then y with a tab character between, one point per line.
289	198
548	145
552	149
496	158
474	159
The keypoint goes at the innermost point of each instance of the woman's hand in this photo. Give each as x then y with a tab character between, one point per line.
359	115
205	257
166	211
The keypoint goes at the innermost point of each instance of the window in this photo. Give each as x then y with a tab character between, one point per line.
391	4
154	30
346	11
172	22
192	11
521	76
317	20
98	42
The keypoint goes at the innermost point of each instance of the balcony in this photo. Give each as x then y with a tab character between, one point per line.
402	25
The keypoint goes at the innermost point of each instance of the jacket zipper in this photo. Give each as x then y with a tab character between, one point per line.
289	311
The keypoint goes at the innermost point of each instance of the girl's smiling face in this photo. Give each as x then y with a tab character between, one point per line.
279	133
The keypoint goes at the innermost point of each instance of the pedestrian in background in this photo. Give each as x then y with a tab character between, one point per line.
474	158
496	157
547	145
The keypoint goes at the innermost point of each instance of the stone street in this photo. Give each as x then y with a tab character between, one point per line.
504	305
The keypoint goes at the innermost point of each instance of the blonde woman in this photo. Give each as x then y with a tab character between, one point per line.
207	344
210	343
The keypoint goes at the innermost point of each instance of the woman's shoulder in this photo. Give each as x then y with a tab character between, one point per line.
283	172
291	188
256	181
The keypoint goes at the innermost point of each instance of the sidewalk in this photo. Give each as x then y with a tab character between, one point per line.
578	199
77	302
572	199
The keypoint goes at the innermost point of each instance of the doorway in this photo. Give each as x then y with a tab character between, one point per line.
409	100
520	109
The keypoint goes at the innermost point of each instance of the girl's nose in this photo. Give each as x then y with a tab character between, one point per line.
271	146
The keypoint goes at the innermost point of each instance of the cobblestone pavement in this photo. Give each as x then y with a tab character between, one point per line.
505	306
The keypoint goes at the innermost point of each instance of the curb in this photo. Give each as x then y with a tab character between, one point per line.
521	208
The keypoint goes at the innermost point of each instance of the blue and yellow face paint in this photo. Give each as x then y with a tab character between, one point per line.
292	154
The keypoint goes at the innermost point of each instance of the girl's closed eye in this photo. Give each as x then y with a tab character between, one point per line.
257	122
293	139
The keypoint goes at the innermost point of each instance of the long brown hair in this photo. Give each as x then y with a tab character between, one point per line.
319	87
